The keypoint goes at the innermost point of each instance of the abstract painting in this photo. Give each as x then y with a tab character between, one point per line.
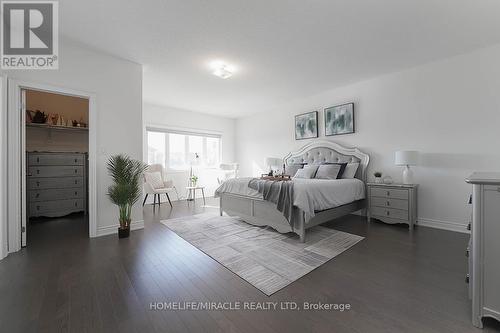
339	119
306	125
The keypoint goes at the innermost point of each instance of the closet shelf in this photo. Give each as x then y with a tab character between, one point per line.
54	127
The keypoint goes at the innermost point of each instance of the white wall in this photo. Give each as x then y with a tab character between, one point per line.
448	110
117	85
3	169
168	117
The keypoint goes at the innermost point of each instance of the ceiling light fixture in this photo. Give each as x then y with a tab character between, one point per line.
222	70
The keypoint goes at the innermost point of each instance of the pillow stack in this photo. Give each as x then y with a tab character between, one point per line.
323	171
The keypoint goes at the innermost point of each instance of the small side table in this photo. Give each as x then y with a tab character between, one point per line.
191	193
392	203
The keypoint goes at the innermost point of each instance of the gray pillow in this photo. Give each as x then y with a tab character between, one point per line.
291	169
350	170
328	171
308	171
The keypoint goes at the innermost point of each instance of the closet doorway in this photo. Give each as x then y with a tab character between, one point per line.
51	163
56	164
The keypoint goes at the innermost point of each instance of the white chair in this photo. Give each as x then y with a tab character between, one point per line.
229	170
156	184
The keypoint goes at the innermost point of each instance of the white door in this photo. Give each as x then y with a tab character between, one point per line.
24	212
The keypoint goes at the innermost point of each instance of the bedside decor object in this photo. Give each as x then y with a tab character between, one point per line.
126	174
276	178
306	125
387	180
394	203
273	162
407	158
378	177
339	119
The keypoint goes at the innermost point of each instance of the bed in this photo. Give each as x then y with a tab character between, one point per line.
315	201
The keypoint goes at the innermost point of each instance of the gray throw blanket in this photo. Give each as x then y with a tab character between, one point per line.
278	192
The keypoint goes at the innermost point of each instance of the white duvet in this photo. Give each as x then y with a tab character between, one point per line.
310	195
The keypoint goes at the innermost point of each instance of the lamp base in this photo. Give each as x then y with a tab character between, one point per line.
407	176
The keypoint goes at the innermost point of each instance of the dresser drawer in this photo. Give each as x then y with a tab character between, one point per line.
65	206
60	183
55	171
389	203
389	193
56	194
389	212
55	159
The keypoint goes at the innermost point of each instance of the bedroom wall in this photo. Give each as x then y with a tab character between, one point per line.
169	117
117	84
448	110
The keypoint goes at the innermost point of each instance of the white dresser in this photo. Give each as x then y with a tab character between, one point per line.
392	203
56	183
484	248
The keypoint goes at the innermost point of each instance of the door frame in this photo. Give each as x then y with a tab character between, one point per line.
16	198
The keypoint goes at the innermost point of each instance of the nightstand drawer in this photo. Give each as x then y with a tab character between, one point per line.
391	213
389	203
389	193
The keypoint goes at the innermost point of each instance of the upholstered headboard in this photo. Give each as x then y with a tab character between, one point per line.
321	151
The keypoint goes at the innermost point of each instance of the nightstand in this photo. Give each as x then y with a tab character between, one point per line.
392	203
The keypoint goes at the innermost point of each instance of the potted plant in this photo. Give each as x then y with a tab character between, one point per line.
126	188
194	180
378	177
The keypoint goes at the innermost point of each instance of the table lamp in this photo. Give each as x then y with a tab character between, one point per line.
273	162
407	158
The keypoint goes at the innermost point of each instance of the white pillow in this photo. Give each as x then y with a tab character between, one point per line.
328	171
308	171
350	170
154	179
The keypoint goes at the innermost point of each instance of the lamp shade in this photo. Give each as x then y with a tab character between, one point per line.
273	161
406	157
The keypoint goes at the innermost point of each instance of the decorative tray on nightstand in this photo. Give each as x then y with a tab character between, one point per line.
276	178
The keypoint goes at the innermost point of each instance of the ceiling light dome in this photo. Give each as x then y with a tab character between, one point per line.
222	70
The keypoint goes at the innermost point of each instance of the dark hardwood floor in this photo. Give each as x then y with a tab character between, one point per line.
395	282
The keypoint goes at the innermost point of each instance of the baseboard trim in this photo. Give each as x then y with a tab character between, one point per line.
445	225
113	229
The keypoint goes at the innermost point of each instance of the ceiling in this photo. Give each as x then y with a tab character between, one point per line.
283	49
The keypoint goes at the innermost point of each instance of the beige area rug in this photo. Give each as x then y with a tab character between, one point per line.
263	257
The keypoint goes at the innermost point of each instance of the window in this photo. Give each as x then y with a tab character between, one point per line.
175	150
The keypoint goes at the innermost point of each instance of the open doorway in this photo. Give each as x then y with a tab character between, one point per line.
56	136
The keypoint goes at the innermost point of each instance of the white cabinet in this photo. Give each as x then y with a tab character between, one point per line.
484	249
393	203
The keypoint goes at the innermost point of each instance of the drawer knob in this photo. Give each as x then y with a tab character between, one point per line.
467	278
37	195
75	160
388	203
76	193
76	170
37	207
388	213
38	160
76	204
76	182
388	193
37	172
468	226
37	183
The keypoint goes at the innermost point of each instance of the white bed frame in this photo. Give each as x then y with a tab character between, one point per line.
263	213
